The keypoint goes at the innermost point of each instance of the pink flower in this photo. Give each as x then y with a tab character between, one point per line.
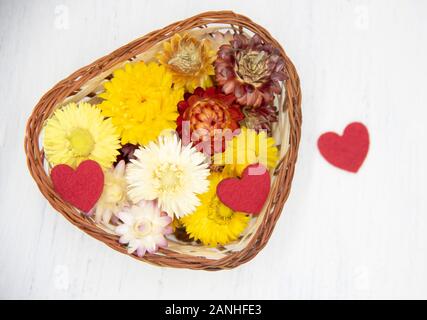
144	228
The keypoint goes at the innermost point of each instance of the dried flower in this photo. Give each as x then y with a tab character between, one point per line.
144	228
79	132
114	194
261	118
189	60
209	113
251	69
213	223
169	172
246	148
127	152
141	102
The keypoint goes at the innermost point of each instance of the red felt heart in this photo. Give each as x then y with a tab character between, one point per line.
348	151
247	194
81	187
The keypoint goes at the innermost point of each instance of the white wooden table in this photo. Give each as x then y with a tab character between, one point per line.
341	235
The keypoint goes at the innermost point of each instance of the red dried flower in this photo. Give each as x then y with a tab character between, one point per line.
250	69
208	113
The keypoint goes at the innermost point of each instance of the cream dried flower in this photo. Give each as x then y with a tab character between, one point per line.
114	196
169	172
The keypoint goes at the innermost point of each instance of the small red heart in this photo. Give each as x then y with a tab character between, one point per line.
247	194
348	151
81	187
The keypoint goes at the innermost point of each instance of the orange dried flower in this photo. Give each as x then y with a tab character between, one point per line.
208	113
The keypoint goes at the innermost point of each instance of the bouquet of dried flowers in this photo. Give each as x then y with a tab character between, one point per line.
180	144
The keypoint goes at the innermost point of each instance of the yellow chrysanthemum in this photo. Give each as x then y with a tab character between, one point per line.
248	147
189	60
213	223
141	101
79	132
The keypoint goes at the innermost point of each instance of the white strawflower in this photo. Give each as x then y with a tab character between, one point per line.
144	228
169	172
114	194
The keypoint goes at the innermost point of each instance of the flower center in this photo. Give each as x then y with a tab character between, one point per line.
209	115
187	60
169	177
252	67
219	212
81	142
143	228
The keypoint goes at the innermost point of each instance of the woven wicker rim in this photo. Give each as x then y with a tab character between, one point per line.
72	86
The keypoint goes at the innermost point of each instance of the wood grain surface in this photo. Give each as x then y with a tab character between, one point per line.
341	235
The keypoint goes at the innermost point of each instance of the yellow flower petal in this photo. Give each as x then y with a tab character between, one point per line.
189	60
141	102
246	148
79	132
213	223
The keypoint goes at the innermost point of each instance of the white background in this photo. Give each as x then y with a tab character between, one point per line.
341	235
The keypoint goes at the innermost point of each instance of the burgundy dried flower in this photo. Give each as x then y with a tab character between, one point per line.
251	69
261	118
126	153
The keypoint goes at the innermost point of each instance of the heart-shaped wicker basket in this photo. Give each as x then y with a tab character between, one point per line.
86	83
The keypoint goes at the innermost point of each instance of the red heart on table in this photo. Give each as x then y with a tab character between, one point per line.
247	194
81	187
348	151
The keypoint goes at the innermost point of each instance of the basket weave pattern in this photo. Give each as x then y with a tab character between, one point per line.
74	86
